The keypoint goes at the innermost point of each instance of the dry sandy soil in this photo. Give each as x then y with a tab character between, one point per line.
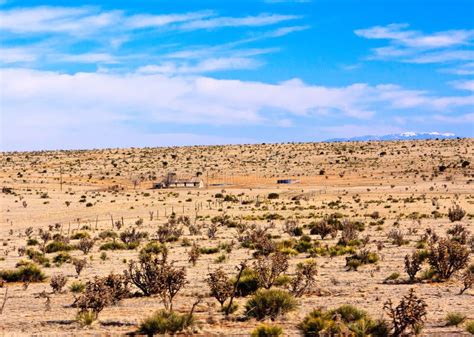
402	181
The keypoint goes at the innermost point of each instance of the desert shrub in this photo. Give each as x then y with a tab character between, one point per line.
37	257
86	318
152	247
346	320
79	265
393	277
456	213
28	272
153	274
248	283
304	279
467	279
349	232
93	300
397	237
80	235
292	228
108	234
220	285
270	303
268	268
413	264
447	257
165	322
132	237
455	318
470	327
61	258
257	238
208	250
77	287
57	246
170	231
58	282
85	245
458	233
273	195
113	245
304	244
323	228
410	313
265	330
194	253
361	258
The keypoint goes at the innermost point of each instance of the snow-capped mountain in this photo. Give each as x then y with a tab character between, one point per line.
399	136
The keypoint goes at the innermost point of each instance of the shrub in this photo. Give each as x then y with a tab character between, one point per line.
27	273
265	330
113	245
346	320
470	327
85	245
155	275
79	264
165	322
61	258
220	285
304	279
80	235
58	282
458	233
152	247
248	283
410	313
413	264
86	318
455	318
467	279
194	253
57	246
273	196
456	213
447	257
323	228
270	303
77	287
361	258
268	268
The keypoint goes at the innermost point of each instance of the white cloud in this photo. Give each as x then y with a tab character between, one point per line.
413	46
17	55
248	21
38	103
203	66
86	58
398	34
464	85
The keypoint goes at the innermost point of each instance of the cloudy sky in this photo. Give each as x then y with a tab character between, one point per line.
155	73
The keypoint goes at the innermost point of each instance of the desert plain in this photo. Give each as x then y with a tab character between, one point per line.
395	191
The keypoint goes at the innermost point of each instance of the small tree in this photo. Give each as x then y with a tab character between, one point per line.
58	282
79	264
467	279
447	257
268	268
410	313
413	264
85	245
456	213
194	253
220	285
304	279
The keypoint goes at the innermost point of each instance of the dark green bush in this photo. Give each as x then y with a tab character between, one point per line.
165	322
28	272
57	246
270	303
248	283
265	330
114	245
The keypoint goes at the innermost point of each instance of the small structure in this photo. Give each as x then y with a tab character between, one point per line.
288	181
171	180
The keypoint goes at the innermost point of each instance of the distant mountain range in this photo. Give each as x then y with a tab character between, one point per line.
399	136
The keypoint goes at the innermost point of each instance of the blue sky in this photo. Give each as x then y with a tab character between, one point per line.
155	73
